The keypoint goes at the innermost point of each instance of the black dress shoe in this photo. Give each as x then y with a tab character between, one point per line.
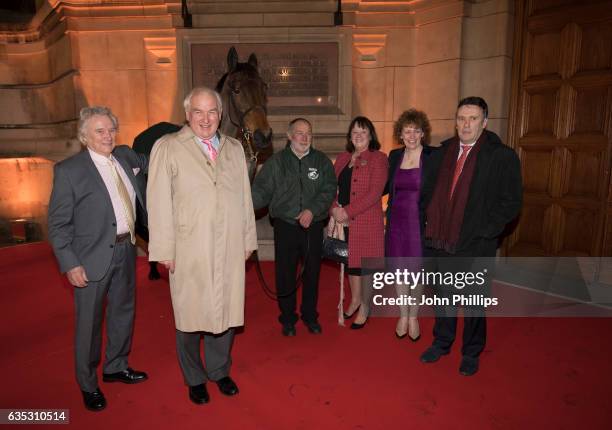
288	330
314	327
127	376
199	394
432	354
227	386
94	401
469	366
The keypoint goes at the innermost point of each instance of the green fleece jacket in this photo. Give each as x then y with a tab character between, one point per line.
289	185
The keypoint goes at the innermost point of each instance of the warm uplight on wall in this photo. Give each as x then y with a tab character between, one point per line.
284	72
26	187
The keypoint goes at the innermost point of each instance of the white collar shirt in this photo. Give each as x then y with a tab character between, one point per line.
102	163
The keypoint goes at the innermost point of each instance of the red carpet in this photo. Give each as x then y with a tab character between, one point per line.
535	373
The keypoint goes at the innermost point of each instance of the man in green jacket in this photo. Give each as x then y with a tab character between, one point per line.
298	185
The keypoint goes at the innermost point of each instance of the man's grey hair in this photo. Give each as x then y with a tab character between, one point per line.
87	113
295	121
202	90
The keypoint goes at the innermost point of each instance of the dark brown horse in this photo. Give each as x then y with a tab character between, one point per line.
243	93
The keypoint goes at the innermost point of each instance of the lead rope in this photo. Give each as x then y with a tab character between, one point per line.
245	139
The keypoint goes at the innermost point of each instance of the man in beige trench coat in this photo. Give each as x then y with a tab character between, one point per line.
202	228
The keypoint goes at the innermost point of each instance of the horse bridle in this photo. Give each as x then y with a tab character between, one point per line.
244	133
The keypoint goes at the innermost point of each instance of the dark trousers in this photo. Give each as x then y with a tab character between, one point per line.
118	289
474	321
292	242
217	348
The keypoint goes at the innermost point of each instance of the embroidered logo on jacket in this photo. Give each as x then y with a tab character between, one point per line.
313	173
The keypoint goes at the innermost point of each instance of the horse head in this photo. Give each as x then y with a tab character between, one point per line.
243	92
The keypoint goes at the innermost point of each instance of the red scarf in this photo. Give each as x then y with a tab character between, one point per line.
444	216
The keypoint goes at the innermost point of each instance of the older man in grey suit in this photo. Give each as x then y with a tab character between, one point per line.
91	228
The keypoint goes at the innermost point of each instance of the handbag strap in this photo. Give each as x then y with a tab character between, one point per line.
335	227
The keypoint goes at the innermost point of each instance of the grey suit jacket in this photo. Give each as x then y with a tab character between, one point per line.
82	224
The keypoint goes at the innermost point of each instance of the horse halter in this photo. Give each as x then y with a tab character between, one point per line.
244	133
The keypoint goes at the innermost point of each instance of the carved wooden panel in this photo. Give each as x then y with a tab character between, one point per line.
591	111
537	167
584	172
530	233
544	54
595	47
561	125
541	108
540	5
579	228
607	243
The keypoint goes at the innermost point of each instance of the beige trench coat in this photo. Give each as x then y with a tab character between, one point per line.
201	216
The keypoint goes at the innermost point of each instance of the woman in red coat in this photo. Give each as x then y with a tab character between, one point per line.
362	173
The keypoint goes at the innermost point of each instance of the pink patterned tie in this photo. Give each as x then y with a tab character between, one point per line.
459	166
212	152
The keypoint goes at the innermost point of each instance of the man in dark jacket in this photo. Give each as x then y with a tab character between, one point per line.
298	185
471	190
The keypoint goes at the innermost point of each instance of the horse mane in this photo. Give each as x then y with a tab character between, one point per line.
219	87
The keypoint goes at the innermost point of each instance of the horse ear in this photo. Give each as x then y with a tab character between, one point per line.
232	59
253	60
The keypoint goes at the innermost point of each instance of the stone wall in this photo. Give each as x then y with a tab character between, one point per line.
133	56
428	55
80	53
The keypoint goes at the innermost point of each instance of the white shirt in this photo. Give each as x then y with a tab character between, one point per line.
103	166
461	145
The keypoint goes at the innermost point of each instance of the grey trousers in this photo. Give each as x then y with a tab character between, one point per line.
118	288
217	349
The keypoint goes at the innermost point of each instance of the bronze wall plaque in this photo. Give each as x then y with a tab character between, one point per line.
301	77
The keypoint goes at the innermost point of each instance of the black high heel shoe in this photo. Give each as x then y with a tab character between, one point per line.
414	339
357	326
347	316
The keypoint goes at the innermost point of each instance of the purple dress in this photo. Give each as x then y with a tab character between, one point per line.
404	233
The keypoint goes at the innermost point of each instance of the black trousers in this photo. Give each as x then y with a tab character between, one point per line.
474	321
292	242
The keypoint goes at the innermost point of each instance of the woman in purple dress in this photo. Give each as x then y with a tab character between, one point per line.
404	220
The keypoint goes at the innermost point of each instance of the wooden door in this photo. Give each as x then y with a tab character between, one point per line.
561	127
